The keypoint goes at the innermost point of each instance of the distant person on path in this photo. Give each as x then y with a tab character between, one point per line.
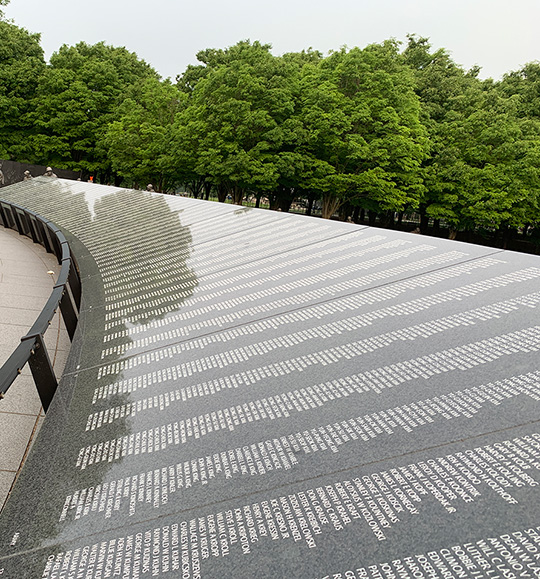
27	176
150	188
49	173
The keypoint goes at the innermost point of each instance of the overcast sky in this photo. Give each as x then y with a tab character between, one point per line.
498	35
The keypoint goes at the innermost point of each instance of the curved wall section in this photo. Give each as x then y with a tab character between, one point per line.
257	394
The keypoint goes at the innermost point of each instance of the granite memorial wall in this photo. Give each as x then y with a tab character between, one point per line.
13	172
258	394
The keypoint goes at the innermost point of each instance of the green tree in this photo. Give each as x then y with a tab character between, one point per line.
77	97
362	118
524	85
522	89
3	3
21	66
482	171
448	94
491	180
232	128
139	141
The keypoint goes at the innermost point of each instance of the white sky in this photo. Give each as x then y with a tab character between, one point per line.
498	35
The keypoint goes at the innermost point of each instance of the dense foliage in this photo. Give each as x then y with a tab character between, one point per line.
364	132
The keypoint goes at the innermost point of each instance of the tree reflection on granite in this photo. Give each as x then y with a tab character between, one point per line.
109	225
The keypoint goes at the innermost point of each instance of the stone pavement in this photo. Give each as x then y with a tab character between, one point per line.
25	287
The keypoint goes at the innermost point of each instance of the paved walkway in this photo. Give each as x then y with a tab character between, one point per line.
25	287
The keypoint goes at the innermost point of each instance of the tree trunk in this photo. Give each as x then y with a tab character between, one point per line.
285	204
309	209
355	215
387	219
424	222
221	192
237	194
345	211
330	204
207	190
195	188
272	200
507	233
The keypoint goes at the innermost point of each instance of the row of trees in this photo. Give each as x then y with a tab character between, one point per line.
385	129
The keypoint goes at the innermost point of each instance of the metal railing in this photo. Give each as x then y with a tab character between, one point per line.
66	294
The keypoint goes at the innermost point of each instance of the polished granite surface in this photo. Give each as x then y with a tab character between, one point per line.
258	394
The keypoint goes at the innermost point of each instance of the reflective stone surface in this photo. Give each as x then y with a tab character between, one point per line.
257	394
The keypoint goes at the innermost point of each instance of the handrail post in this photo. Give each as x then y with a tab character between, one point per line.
7	216
75	284
3	219
44	236
34	232
68	312
42	370
19	224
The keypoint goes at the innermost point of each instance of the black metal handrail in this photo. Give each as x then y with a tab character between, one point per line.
66	294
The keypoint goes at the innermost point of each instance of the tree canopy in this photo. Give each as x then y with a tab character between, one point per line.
76	100
21	67
382	130
3	3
